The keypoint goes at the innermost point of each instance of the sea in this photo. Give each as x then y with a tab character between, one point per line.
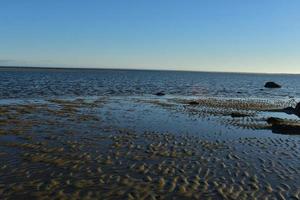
22	83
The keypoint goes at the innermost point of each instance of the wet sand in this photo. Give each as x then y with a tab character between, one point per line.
146	148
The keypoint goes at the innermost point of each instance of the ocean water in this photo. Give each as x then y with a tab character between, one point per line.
39	83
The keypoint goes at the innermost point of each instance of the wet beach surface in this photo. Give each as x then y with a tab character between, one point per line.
103	134
146	147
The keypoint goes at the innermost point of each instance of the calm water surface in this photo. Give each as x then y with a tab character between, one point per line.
68	83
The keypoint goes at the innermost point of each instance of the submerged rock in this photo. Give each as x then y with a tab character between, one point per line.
237	114
297	109
284	126
193	103
160	94
272	85
274	120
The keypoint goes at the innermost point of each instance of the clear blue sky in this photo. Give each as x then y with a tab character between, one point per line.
211	35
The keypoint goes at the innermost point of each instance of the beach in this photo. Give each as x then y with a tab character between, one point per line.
121	134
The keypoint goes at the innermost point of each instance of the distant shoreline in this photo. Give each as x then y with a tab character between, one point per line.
35	68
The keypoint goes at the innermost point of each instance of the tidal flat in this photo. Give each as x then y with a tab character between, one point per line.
146	147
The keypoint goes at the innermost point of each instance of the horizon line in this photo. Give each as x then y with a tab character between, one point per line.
135	69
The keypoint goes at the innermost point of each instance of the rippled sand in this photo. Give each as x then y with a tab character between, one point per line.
137	148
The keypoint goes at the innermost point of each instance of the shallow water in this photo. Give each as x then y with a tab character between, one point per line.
48	83
72	143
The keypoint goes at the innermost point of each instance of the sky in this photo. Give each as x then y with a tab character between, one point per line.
201	35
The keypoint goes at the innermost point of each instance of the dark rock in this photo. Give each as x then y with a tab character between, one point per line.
289	110
272	85
286	129
193	103
237	114
297	109
274	120
283	126
160	94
